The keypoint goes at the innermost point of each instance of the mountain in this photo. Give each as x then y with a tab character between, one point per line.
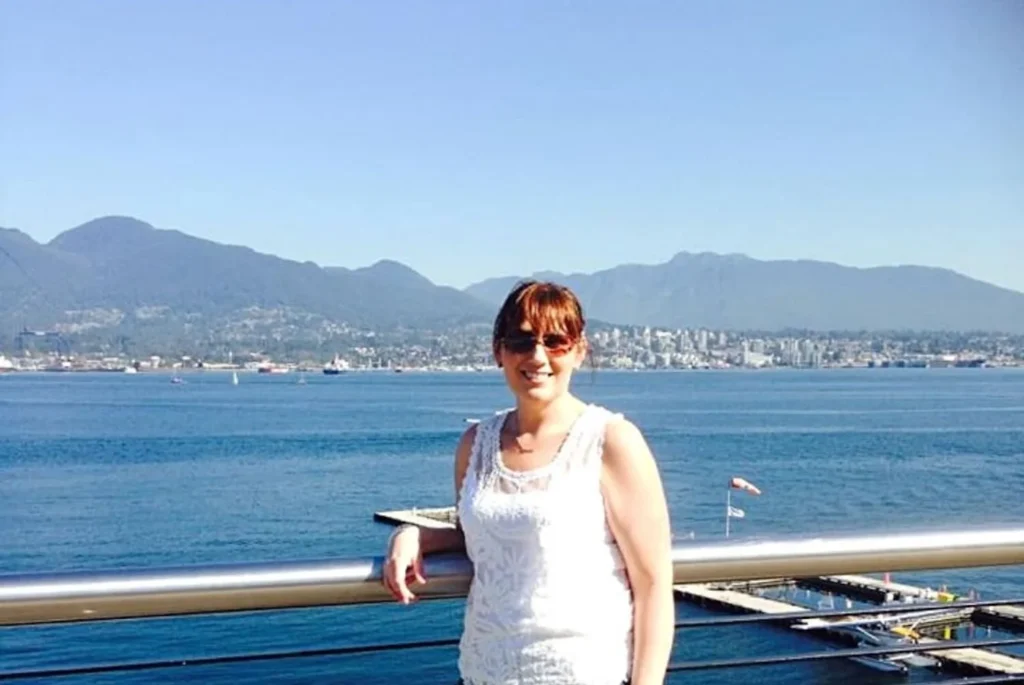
736	292
119	272
124	285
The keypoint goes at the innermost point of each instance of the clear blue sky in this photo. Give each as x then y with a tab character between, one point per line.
475	139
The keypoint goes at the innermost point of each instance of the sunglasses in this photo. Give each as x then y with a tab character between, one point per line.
524	343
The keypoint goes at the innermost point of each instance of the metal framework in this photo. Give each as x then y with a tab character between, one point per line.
91	596
72	597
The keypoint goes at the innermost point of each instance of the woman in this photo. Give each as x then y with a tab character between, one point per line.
562	513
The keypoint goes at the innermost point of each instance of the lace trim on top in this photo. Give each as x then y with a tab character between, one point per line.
539	478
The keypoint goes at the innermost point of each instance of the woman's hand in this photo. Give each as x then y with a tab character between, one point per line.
404	563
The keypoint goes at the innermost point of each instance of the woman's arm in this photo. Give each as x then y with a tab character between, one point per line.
434	540
408	544
638	517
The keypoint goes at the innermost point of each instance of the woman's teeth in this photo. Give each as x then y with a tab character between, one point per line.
535	375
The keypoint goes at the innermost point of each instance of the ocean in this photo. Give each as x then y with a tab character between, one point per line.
101	471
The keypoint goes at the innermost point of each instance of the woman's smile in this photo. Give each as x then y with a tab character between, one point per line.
536	377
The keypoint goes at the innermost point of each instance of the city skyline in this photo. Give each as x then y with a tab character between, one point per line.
470	141
610	347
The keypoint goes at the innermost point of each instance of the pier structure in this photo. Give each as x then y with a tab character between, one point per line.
867	588
431	517
739	597
966	660
1001	616
884	592
875	589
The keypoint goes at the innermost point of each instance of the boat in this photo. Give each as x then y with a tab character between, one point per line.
891	630
892	663
234	378
6	365
267	367
336	366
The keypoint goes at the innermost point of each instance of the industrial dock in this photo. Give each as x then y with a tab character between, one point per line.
867	629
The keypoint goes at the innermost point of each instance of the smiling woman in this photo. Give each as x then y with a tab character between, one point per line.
538	340
562	512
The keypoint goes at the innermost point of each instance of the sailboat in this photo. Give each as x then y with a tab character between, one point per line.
234	378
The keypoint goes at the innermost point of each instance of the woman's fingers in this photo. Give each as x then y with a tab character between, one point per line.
394	576
417	570
403	566
390	579
405	596
385	578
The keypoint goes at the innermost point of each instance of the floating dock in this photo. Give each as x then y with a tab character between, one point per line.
1002	616
436	517
875	589
734	600
968	659
974	660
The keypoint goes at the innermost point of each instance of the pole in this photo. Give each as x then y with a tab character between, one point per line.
728	508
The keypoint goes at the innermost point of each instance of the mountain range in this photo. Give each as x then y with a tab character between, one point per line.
735	292
122	275
125	264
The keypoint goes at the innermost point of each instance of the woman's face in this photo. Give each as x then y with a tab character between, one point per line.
538	365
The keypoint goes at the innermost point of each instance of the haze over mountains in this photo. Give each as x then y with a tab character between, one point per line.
125	264
735	292
123	274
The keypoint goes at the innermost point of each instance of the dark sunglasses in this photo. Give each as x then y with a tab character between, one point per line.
524	343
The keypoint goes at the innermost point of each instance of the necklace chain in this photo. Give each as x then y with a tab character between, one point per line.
516	438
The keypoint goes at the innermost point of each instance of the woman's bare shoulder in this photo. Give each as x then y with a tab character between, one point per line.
622	437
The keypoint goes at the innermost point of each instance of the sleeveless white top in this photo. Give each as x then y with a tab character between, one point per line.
550	601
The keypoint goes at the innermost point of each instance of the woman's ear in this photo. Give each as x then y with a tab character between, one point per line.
582	349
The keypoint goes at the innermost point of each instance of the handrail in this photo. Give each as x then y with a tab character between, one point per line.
99	595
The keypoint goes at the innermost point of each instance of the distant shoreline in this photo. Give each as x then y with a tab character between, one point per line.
582	372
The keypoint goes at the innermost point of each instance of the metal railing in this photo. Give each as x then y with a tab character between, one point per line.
91	596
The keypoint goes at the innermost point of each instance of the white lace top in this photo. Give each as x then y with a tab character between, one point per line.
550	601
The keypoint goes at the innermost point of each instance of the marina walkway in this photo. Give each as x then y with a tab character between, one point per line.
970	660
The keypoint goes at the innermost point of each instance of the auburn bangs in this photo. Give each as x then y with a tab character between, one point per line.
546	307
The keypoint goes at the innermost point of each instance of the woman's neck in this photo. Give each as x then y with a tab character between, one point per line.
533	418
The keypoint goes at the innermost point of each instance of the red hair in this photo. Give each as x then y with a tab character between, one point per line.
547	307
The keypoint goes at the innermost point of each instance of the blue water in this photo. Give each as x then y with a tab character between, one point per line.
117	471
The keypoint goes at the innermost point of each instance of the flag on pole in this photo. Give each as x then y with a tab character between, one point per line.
736	512
744	484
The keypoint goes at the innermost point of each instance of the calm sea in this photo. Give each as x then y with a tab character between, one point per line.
117	471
